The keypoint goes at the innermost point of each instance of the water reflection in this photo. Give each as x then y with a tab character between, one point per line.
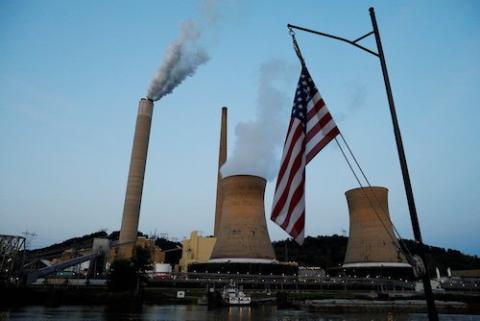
199	313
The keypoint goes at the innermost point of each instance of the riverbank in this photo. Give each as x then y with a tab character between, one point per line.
370	306
314	300
60	295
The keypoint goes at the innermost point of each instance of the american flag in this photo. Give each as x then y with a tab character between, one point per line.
311	129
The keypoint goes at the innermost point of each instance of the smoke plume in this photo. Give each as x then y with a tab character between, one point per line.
259	142
356	96
181	60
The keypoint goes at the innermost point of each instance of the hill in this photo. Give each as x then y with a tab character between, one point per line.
329	251
323	251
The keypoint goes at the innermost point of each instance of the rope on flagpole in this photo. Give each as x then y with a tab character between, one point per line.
296	47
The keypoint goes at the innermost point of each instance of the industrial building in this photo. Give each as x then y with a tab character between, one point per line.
156	253
196	249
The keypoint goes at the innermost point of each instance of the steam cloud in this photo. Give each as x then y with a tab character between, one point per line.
259	142
181	60
357	96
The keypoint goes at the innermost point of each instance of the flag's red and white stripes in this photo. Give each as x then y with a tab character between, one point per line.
321	127
311	128
289	200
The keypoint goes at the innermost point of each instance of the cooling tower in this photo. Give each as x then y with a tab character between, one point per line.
222	158
372	242
243	235
136	173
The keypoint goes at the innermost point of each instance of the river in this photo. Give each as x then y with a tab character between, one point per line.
200	313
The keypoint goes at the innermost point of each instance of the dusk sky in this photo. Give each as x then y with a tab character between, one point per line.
72	73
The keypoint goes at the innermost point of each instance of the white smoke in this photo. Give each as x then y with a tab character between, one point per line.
182	59
356	95
185	54
258	143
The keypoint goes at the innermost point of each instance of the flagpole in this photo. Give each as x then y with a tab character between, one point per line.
432	312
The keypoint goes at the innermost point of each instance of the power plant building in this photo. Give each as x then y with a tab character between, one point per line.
196	249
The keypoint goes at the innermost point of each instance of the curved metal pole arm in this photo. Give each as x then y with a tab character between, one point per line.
353	43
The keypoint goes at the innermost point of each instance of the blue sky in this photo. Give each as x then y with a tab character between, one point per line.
73	72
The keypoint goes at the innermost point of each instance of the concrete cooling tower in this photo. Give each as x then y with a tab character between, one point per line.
372	245
243	236
136	173
242	244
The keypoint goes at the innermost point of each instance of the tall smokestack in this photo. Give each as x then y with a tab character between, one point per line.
222	158
136	173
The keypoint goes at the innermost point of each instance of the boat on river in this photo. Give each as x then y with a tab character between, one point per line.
234	295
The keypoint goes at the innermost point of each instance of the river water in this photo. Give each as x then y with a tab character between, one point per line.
200	313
